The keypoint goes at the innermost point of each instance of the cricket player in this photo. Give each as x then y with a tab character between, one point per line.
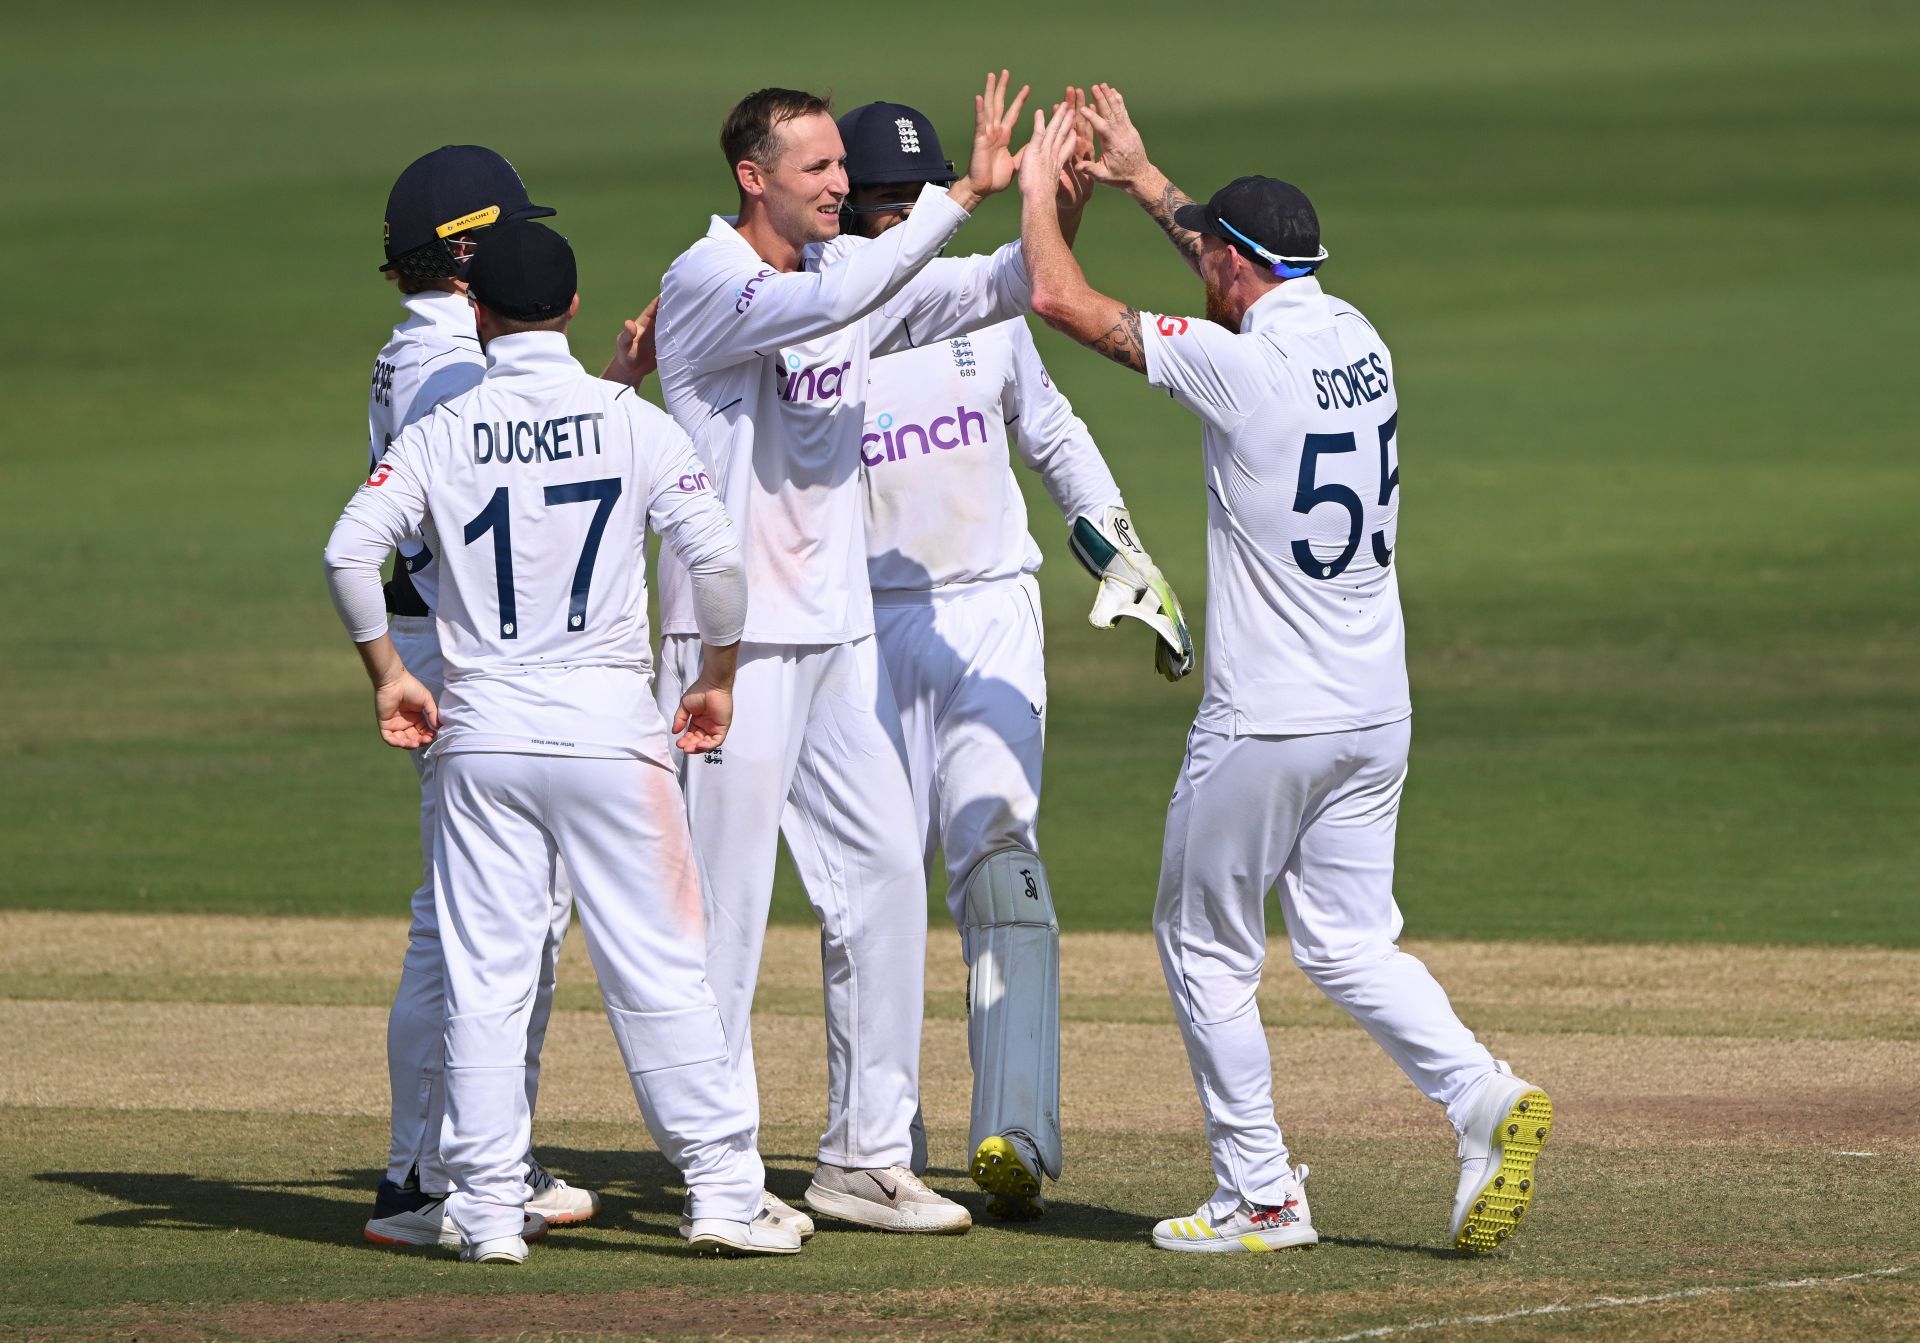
536	490
765	331
1296	760
957	617
438	212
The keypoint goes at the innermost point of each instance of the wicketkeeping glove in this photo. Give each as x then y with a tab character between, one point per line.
1132	585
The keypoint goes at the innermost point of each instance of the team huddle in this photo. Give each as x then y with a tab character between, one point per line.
850	659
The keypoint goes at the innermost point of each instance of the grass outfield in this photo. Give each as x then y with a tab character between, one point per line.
185	1182
1647	273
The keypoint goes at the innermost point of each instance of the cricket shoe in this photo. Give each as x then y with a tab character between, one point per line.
431	1226
503	1250
390	1199
1506	1127
1008	1167
770	1205
892	1199
1287	1225
556	1200
765	1234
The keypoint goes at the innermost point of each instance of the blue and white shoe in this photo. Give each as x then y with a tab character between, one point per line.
391	1199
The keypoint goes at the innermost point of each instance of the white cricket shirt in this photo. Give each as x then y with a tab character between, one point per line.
942	506
535	490
434	356
1304	632
767	373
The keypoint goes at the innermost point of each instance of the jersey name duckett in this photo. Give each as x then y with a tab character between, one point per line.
527	442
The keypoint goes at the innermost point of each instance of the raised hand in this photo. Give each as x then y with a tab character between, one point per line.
991	167
1123	163
1047	154
634	356
1123	156
1076	185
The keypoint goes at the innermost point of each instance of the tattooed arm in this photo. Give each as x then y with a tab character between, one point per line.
1062	298
1160	198
1121	341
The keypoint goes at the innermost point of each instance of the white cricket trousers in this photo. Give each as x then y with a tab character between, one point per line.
814	755
968	670
416	1023
620	828
1314	815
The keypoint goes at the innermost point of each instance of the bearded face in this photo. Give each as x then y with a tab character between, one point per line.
1216	274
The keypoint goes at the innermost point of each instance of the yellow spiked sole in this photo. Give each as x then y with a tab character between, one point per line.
997	1168
1498	1208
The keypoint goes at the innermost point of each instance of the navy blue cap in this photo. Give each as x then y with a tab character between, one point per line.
525	272
1268	220
453	190
891	142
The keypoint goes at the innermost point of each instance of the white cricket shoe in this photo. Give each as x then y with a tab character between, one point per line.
769	1204
763	1235
556	1200
1287	1225
1506	1127
505	1250
892	1199
431	1226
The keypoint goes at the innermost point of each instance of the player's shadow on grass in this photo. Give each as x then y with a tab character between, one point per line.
642	1192
181	1201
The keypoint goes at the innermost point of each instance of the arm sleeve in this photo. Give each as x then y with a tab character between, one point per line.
1213	372
952	296
721	306
388	508
1051	439
684	510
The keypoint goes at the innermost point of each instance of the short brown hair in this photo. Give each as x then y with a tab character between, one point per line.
513	326
751	127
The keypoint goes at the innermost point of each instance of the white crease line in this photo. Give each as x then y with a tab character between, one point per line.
1606	1303
1856	1154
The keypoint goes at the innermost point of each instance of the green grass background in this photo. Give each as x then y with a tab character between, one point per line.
1647	270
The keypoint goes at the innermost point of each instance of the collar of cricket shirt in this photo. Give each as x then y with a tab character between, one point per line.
437	308
1297	304
531	353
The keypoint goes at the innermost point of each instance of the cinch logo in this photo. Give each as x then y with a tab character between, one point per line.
748	290
810	384
890	444
697	481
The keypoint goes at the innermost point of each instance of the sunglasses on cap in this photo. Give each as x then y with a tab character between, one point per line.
1286	267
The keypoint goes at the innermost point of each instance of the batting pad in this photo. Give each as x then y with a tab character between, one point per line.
1013	1001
